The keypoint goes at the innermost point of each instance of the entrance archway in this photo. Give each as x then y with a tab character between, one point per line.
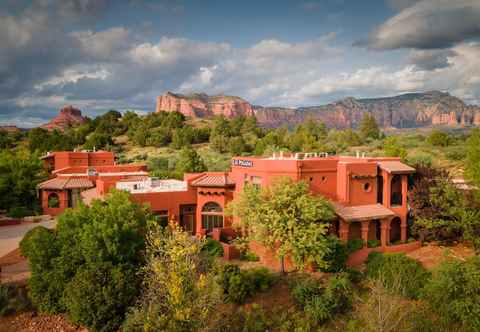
212	216
395	230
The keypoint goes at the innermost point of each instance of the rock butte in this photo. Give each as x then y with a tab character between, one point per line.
68	117
404	111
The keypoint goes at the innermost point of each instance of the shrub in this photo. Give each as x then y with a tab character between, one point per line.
213	248
4	300
12	299
99	294
239	284
454	292
336	256
373	243
249	256
322	302
398	268
354	245
18	212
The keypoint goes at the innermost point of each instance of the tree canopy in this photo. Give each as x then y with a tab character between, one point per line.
286	218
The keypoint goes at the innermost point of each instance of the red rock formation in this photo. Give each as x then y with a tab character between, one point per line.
403	111
10	129
68	117
201	105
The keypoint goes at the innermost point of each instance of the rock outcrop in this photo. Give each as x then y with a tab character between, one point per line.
404	111
68	117
10	129
200	105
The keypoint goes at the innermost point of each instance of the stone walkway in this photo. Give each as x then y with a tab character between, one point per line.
10	236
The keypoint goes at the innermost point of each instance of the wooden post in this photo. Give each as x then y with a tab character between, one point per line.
343	232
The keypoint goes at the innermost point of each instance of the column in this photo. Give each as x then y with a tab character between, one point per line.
385	232
403	229
387	189
365	225
343	232
404	190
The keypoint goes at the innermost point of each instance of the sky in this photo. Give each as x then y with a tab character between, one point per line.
110	54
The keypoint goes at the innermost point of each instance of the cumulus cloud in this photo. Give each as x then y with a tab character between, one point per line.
431	59
428	24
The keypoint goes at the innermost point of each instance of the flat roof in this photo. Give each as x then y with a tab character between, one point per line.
396	167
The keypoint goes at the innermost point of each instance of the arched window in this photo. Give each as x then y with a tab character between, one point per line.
212	216
53	201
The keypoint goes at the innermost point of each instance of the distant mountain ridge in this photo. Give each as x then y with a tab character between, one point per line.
403	111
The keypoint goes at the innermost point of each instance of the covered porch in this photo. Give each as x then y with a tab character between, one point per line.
369	223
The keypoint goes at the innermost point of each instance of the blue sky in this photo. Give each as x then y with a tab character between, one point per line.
101	54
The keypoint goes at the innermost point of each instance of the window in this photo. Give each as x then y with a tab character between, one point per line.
53	201
212	216
324	178
162	217
256	181
367	187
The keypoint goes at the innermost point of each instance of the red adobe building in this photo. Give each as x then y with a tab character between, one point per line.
369	194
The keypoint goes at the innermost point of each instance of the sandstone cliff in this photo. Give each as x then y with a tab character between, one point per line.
68	117
201	105
10	129
403	111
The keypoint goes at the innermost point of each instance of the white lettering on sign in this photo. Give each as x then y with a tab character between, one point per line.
242	163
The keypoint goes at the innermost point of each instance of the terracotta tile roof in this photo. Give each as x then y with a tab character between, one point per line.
213	180
60	183
362	212
396	167
89	195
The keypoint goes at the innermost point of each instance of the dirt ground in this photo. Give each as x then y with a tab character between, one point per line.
31	322
14	268
432	255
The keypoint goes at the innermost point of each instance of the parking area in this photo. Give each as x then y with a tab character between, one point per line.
10	236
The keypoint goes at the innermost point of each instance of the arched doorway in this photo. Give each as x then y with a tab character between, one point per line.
212	216
53	200
395	230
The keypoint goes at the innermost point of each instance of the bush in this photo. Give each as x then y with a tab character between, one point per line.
398	268
99	294
454	293
336	256
18	212
213	248
13	299
239	284
249	256
322	302
373	243
354	245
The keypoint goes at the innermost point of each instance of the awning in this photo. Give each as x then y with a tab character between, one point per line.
362	212
60	183
395	167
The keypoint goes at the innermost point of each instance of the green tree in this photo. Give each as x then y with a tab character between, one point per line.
189	161
87	267
393	149
472	163
180	291
286	218
454	293
368	127
439	138
20	172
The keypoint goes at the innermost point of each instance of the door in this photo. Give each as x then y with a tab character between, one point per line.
187	217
